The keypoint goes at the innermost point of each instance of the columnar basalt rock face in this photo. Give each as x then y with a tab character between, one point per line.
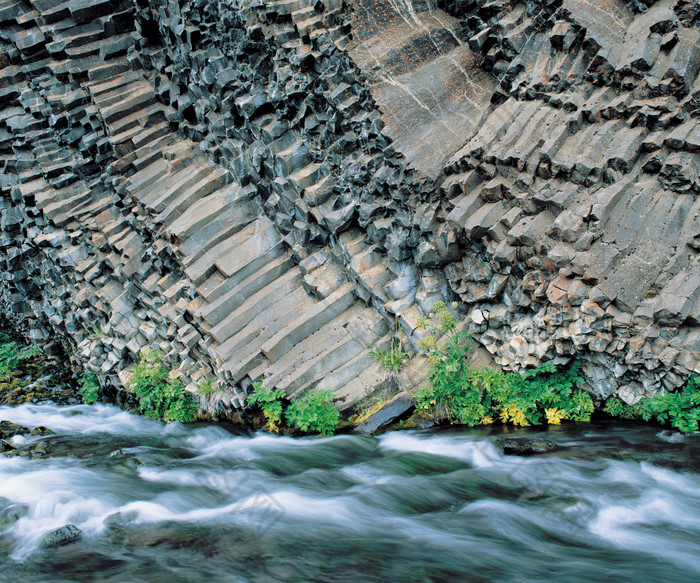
424	77
265	189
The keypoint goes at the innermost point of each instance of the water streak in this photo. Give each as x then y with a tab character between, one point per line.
201	503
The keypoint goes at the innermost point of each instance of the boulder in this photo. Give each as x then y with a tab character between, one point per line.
61	536
526	446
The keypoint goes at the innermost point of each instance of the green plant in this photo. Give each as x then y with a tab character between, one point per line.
391	358
13	356
158	396
206	388
314	412
96	333
452	394
680	409
270	402
618	408
89	387
473	397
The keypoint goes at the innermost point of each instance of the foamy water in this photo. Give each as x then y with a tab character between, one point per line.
172	503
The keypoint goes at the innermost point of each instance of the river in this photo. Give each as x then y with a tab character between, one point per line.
205	502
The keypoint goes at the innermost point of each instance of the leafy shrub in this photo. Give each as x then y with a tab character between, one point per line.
538	395
314	413
618	408
158	396
452	394
89	388
541	395
680	409
270	402
391	358
473	397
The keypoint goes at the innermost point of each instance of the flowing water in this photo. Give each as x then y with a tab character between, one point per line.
171	503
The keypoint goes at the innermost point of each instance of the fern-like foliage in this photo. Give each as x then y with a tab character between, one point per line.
89	387
160	397
270	403
680	409
470	397
13	356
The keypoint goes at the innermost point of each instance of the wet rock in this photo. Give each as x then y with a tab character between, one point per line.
397	406
61	536
7	448
40	450
526	446
576	184
42	431
12	514
9	429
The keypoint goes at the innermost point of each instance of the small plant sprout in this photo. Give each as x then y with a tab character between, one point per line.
391	358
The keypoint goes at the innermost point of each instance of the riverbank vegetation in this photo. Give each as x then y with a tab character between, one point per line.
680	409
28	375
391	358
456	394
159	396
89	387
311	413
544	395
15	358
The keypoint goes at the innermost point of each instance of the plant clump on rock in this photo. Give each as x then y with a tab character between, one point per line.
544	395
311	413
159	396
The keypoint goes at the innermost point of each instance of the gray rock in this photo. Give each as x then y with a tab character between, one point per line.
398	405
526	446
61	536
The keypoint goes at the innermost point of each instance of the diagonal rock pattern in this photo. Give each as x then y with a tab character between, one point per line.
166	249
264	190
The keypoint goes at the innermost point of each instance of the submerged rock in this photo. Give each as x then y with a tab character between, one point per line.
61	536
11	514
527	446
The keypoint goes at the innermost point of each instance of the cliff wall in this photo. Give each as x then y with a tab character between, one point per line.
265	190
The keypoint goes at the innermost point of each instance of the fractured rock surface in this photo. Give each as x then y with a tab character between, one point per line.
265	190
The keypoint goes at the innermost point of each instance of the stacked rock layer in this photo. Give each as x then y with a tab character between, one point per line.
267	190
